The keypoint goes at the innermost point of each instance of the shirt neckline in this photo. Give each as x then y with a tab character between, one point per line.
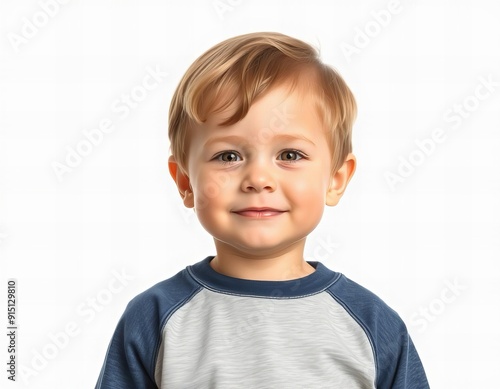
319	280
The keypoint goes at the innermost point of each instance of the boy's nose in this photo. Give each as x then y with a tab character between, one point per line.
258	177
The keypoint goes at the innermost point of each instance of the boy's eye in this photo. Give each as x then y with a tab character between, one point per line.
227	157
290	156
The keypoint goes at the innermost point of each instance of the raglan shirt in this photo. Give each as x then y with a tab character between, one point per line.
203	329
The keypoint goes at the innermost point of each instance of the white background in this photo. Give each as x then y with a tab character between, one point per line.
429	245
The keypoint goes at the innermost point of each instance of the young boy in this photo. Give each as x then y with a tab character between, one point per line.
260	133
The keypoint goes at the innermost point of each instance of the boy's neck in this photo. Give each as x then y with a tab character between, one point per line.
277	268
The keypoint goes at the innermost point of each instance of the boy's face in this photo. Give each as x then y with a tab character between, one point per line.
276	158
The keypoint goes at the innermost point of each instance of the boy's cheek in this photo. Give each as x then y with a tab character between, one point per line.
206	195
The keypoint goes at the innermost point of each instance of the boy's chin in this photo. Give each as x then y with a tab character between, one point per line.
256	249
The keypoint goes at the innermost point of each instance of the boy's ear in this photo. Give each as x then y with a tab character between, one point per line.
182	181
340	179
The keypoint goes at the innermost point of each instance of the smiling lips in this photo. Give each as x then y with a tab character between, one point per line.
259	212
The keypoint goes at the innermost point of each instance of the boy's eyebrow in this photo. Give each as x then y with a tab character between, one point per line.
239	139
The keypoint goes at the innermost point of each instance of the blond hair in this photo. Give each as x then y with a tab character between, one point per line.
243	68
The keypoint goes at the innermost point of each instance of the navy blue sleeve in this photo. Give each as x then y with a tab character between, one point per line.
398	365
131	357
409	372
129	362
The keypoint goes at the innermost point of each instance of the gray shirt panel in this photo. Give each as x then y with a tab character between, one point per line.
219	340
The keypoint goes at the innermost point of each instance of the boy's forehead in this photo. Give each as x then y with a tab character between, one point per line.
277	108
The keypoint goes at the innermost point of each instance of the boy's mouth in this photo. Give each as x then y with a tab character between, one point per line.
259	212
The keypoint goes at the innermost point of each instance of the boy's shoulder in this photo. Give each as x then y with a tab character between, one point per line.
137	336
383	326
164	296
362	303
